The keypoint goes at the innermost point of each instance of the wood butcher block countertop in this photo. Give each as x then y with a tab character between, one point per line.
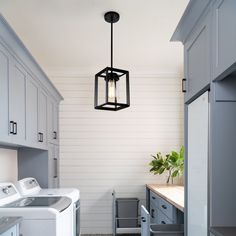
173	194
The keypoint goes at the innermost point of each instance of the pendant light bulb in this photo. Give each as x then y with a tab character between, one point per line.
111	90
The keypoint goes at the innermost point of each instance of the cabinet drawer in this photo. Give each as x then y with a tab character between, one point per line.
168	209
162	218
154	199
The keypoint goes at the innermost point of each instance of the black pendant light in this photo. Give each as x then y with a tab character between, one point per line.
112	84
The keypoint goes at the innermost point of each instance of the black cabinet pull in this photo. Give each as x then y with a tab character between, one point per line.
15	128
152	213
184	85
143	219
40	139
11	127
55	168
164	207
163	222
153	198
55	135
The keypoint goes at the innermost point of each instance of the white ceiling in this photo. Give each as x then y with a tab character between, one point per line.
72	34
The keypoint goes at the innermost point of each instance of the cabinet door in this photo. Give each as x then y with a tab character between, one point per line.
31	112
56	167
53	122
224	36
56	123
197	167
197	59
42	118
17	101
50	121
145	222
4	77
53	158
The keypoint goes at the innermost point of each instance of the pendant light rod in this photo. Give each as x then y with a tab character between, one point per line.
111	17
111	45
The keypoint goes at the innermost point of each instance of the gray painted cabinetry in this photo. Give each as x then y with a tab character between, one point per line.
29	106
196	58
42	118
161	211
32	112
17	102
4	117
223	37
208	32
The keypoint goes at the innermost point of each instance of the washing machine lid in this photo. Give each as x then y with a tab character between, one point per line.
57	203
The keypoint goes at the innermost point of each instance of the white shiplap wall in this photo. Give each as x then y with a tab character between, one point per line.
102	150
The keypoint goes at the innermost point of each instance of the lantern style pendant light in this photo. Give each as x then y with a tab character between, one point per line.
112	84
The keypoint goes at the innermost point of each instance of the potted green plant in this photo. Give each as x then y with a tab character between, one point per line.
173	163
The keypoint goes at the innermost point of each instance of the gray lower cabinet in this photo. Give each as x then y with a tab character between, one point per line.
161	211
17	102
224	36
197	52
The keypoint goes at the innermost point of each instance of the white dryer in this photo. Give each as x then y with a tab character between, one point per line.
48	216
30	187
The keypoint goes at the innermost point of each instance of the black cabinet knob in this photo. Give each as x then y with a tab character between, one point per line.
164	207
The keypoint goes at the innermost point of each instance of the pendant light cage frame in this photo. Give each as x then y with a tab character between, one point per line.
105	75
111	74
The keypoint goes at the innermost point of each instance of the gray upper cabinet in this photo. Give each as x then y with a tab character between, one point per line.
224	38
4	72
42	119
197	52
17	102
31	112
27	118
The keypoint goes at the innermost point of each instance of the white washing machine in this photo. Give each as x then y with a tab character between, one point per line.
47	216
30	187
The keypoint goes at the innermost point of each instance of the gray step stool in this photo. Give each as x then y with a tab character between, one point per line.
148	229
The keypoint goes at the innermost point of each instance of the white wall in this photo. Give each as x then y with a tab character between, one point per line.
103	150
8	165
